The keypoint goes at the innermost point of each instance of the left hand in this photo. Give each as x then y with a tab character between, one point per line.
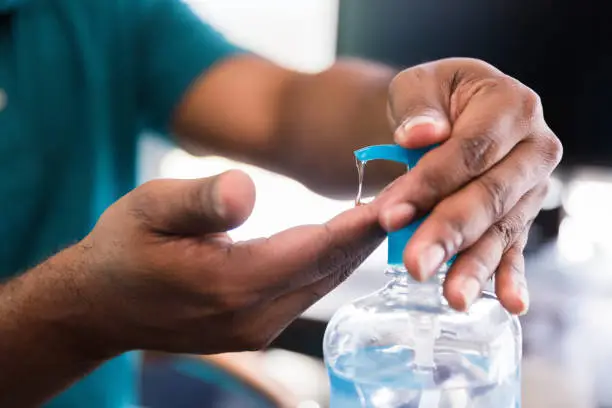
484	185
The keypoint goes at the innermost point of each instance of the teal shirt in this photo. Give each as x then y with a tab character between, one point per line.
80	81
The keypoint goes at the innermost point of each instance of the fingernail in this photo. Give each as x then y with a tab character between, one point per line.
217	201
426	124
470	289
397	216
430	260
523	294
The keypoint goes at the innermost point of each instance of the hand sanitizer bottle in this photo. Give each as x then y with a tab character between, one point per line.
403	346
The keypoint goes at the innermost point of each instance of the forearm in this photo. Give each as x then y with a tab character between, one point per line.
324	117
42	349
305	126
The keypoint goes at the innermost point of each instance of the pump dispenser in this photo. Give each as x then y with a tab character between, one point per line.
404	347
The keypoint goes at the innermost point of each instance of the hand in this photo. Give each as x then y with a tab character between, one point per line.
484	185
162	274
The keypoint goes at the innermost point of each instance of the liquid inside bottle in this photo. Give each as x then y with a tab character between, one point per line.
404	347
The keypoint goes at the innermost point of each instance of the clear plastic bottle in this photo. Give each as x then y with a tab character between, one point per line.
403	346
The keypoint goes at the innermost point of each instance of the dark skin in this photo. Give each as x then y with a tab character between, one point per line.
159	272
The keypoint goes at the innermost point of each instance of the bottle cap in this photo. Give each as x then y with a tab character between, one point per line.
398	239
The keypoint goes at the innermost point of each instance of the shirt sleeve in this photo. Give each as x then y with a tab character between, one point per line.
175	47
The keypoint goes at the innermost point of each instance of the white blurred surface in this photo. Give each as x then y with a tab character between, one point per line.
300	34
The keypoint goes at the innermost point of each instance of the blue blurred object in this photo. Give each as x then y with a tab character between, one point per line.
186	382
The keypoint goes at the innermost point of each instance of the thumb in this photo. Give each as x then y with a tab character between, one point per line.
417	109
195	207
425	129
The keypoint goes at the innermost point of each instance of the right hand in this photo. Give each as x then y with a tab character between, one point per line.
160	272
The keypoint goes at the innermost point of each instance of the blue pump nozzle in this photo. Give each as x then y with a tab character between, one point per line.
409	157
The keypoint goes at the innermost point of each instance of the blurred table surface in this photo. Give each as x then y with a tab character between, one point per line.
567	332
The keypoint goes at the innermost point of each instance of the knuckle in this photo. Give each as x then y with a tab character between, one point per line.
402	104
480	152
528	223
198	200
508	229
432	186
394	102
493	85
518	271
521	242
514	93
505	83
496	192
452	230
514	255
534	199
479	268
144	201
543	189
417	73
531	102
551	149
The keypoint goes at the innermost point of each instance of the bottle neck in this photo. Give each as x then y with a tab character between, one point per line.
403	284
400	276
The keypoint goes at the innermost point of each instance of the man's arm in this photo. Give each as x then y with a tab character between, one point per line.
43	345
155	273
301	125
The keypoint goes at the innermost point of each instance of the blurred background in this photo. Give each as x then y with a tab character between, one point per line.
562	53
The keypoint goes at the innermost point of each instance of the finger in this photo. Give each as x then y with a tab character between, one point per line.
466	156
476	265
416	109
510	281
431	181
303	255
461	219
426	129
274	317
422	106
195	207
501	113
472	270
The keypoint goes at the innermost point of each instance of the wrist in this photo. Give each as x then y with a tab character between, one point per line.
46	334
55	303
346	109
